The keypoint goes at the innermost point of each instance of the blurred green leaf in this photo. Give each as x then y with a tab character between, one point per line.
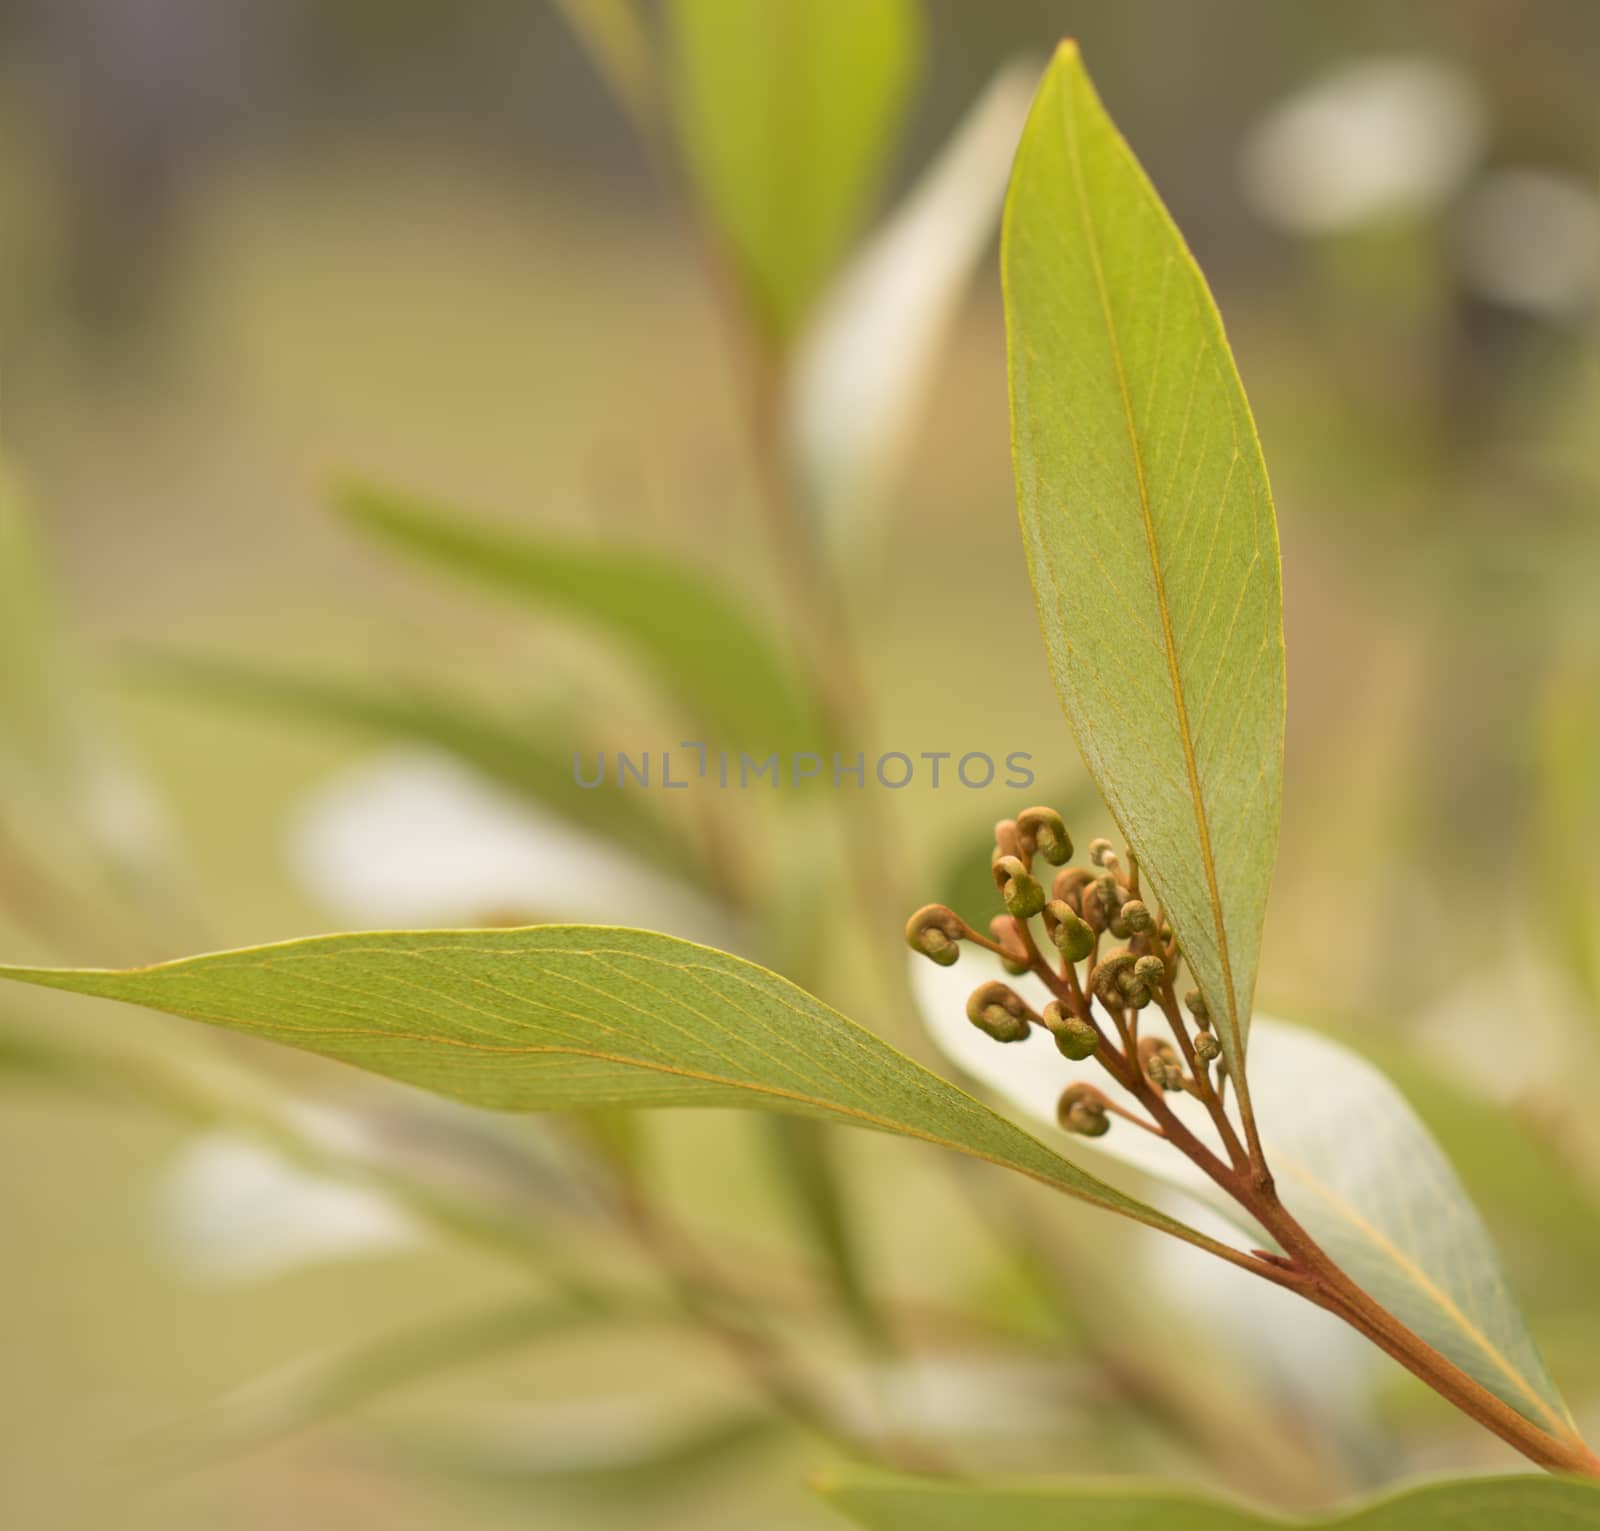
1569	826
870	353
704	648
1149	531
787	110
516	757
614	37
558	1017
317	1388
883	1503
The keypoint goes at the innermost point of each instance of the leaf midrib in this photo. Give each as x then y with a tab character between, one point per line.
1191	765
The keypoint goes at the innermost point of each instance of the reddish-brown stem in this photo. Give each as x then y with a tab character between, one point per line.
1304	1266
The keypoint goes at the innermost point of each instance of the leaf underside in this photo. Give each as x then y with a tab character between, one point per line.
560	1017
1149	530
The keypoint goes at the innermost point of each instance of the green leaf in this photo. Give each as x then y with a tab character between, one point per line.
883	1503
1569	826
1149	531
1353	1164
558	1017
516	757
704	648
613	36
870	352
318	1387
787	111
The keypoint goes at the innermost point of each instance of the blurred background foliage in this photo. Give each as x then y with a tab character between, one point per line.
251	250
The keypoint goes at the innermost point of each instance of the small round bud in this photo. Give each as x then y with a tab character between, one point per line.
1105	982
1160	1063
1082	1109
1023	896
1150	971
1000	1011
1075	1038
1206	1047
1073	939
1196	1006
935	931
1137	917
1101	853
1042	830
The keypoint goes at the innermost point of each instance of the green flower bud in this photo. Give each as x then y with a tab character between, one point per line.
935	931
1138	918
1082	1109
1000	1011
1105	982
1022	894
1042	829
1075	1038
1161	1064
1073	939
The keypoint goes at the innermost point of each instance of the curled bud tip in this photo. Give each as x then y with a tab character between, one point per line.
1000	1011
1075	1038
1073	939
1101	853
1150	971
935	931
1023	896
1042	830
1105	981
1137	918
1206	1047
1082	1109
1069	884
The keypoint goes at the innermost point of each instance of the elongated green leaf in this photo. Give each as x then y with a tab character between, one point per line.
1149	530
1569	826
555	1017
522	759
702	646
318	1387
787	110
883	1503
1353	1164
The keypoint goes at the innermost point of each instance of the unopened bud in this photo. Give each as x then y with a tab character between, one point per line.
935	931
1101	853
1042	829
1082	1109
1069	885
1137	917
1000	1011
1075	1037
1160	1063
1022	894
1206	1047
1195	1004
1105	982
1073	939
1150	971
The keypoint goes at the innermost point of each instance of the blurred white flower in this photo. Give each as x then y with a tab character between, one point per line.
230	1210
414	838
869	355
1368	141
1530	239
